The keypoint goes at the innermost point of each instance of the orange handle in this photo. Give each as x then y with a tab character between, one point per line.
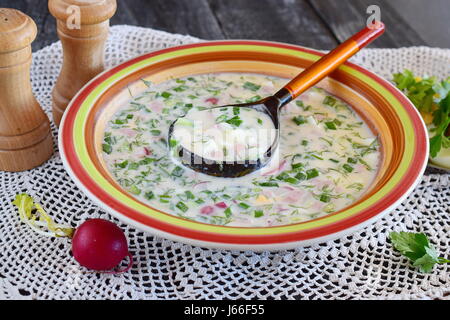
329	62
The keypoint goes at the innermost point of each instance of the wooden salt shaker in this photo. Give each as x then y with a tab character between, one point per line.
83	29
25	135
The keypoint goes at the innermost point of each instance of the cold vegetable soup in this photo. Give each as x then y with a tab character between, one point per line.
327	156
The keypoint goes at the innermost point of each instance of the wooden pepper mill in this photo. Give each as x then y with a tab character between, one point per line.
25	135
83	27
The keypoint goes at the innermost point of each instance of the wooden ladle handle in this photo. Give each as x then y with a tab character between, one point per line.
329	62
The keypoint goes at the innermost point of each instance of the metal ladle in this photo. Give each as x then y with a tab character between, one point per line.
271	106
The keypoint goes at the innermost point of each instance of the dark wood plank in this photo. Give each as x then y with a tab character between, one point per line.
282	20
433	24
345	17
193	17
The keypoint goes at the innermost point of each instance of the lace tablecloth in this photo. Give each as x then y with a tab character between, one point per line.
360	266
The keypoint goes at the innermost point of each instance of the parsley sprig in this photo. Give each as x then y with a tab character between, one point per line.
430	97
417	248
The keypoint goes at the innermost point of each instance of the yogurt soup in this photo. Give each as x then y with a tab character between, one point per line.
225	134
327	156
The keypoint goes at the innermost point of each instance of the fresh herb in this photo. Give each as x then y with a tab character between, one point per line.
180	88
268	184
106	148
441	138
312	173
177	171
228	212
155	132
235	121
166	95
325	197
330	101
253	99
416	247
135	190
282	176
432	99
149	195
259	213
244	205
291	180
251	86
299	120
297	165
147	83
122	164
182	206
330	125
300	176
348	167
133	165
189	194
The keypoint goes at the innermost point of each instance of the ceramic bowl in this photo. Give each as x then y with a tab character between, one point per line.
402	133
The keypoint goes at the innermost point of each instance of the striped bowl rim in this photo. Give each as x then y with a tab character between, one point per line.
80	166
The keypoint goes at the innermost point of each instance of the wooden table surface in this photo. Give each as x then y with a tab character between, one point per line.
319	24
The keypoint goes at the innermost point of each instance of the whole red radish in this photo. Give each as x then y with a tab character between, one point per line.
96	244
99	244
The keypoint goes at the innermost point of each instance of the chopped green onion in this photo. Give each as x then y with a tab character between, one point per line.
348	167
180	205
189	194
228	212
253	99
155	132
122	164
244	205
298	165
133	166
177	171
251	86
258	213
235	121
330	125
106	148
325	197
166	94
300	176
329	100
299	120
312	173
291	180
135	190
268	184
282	176
149	195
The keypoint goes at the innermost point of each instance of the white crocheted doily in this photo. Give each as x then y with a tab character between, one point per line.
360	266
